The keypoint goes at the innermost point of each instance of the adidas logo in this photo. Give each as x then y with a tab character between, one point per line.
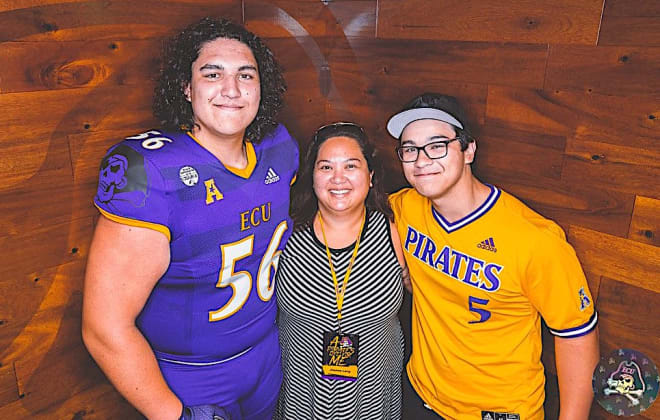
271	177
494	415
487	244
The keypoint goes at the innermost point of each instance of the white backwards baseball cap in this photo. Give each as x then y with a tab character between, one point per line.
428	106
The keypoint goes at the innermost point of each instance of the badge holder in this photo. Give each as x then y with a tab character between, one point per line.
340	351
340	356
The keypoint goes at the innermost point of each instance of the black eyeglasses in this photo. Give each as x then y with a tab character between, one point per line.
433	150
331	130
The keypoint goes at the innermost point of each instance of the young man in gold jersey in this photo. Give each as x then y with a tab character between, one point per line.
485	268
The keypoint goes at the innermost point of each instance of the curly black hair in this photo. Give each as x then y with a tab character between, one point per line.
304	203
170	106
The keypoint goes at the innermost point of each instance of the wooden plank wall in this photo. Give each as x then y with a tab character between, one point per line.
565	96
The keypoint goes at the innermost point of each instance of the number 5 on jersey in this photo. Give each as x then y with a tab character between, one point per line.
484	315
241	281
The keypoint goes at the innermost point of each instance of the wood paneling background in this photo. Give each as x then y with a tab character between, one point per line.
565	97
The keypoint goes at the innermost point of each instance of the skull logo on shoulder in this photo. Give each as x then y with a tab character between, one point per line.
122	176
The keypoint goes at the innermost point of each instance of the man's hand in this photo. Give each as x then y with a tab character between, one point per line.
204	412
405	276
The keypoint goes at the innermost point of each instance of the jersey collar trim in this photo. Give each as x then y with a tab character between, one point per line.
480	211
252	162
251	158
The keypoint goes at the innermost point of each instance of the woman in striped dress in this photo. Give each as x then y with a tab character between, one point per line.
339	287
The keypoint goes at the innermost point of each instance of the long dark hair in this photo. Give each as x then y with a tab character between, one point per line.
170	106
304	203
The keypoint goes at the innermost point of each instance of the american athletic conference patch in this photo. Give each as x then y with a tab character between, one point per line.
626	382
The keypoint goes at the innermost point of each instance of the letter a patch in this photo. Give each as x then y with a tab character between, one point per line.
213	194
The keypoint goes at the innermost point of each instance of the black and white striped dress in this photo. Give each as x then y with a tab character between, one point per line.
307	308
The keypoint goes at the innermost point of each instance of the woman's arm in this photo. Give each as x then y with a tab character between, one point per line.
405	274
125	263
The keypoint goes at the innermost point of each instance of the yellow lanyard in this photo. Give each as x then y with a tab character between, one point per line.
339	295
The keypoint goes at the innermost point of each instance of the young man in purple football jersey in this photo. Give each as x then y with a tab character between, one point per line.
179	307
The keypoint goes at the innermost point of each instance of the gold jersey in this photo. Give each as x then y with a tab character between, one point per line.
480	287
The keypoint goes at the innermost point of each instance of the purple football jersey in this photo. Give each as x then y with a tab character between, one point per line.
226	228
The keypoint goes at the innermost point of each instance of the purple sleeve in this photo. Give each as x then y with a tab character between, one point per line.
131	190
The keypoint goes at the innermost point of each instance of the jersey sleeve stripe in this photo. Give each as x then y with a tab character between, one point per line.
579	330
137	223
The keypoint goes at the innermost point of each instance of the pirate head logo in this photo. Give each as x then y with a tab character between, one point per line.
112	176
626	382
345	342
122	178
